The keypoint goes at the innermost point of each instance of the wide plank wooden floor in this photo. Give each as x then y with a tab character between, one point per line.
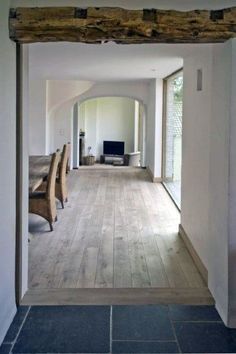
118	230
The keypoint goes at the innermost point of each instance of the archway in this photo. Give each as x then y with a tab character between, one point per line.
125	125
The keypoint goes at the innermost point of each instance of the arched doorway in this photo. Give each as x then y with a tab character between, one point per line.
110	118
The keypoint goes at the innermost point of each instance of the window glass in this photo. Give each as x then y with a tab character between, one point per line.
173	136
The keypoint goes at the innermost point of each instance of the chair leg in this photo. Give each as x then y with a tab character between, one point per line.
66	200
51	227
56	218
62	204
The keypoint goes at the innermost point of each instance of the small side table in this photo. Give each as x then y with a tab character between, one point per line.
89	160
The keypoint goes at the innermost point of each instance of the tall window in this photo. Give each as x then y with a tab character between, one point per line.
173	135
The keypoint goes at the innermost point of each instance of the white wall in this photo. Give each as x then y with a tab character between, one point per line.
222	201
209	174
232	192
24	224
37	116
138	90
195	155
154	128
62	126
107	118
45	99
158	129
151	117
91	126
61	91
8	172
137	116
219	221
116	122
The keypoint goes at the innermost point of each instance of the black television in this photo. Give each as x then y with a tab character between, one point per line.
113	147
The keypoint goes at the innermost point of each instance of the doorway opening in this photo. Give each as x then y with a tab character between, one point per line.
118	232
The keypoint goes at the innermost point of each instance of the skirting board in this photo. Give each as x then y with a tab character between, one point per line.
197	260
154	179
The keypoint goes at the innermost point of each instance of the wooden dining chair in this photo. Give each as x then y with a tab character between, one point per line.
43	203
61	191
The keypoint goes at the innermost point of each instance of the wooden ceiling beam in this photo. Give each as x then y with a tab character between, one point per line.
105	24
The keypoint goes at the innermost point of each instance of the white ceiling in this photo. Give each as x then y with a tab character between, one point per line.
107	62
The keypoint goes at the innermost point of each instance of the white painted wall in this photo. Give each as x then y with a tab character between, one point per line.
8	172
195	155
37	116
232	192
151	117
62	125
158	129
209	174
116	122
136	125
219	221
91	126
107	118
45	99
75	137
61	91
154	127
25	168
44	106
138	90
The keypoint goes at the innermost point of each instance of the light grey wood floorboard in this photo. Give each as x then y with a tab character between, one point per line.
190	296
118	230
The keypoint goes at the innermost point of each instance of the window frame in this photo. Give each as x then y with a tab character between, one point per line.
164	130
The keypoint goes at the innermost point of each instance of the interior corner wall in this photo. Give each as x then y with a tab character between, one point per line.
8	172
154	128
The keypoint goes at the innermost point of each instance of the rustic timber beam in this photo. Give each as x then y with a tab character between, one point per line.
104	24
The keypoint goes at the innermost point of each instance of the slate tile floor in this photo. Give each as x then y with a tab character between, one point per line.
118	329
